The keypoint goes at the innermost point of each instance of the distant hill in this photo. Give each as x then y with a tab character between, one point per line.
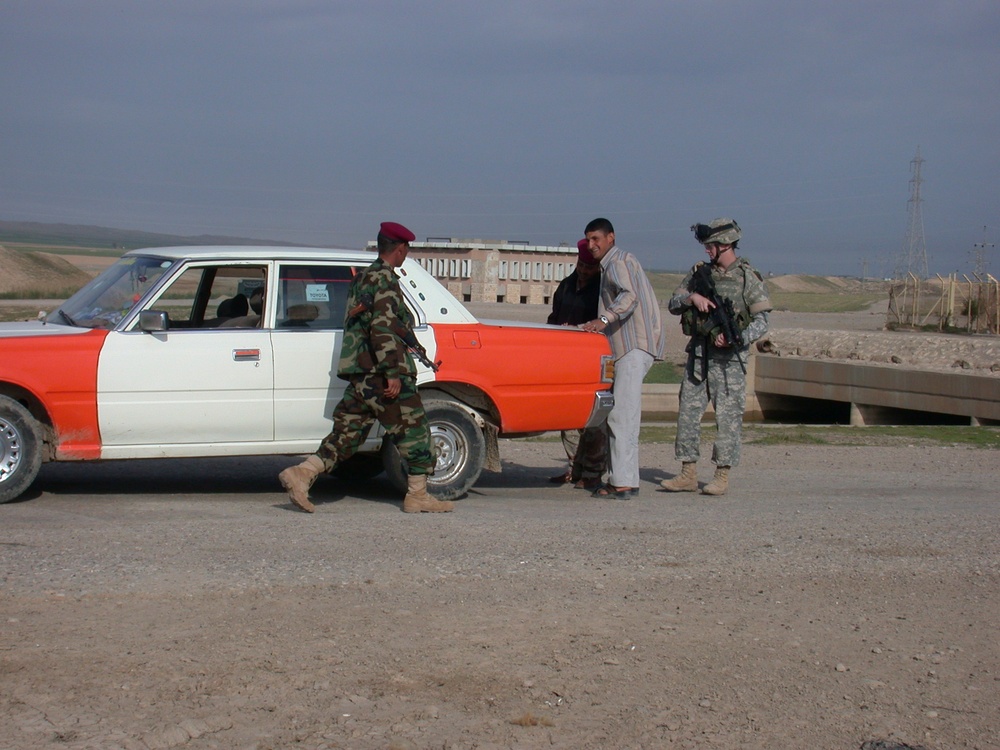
38	275
83	235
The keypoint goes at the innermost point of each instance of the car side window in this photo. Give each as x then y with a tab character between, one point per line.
215	296
312	296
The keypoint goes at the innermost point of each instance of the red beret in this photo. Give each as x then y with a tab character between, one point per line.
583	252
395	231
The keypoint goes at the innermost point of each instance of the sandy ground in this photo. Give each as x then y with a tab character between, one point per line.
837	596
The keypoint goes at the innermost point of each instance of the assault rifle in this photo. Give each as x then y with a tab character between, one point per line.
403	333
722	315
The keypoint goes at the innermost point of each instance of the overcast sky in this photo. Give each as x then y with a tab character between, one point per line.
313	120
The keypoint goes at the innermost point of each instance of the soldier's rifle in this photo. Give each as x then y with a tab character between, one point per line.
722	314
366	302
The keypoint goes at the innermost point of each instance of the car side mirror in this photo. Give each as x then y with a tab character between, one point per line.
154	321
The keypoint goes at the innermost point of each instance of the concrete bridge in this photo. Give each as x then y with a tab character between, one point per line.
788	389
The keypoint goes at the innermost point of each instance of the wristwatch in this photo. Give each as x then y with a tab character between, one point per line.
604	319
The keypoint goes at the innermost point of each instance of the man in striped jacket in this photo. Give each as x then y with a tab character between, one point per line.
629	316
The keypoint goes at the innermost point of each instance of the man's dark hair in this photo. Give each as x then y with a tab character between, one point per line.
386	244
599	225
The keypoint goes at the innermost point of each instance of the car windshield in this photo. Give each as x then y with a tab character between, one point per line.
108	297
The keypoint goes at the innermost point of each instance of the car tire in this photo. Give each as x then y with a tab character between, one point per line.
460	447
20	449
359	467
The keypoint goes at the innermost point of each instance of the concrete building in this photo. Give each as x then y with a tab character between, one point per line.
512	272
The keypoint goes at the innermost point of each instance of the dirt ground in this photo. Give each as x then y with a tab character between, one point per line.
836	596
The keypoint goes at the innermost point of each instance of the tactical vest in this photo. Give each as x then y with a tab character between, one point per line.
732	286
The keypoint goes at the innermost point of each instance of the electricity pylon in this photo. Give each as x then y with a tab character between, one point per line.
913	258
979	250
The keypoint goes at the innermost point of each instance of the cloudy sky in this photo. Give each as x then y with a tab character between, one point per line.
313	120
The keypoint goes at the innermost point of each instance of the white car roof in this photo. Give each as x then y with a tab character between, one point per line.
254	252
437	303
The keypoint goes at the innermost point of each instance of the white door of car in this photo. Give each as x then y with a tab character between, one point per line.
310	301
198	387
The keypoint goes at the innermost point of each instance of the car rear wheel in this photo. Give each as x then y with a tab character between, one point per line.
20	449
460	447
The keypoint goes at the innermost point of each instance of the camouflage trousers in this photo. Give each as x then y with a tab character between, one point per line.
726	387
586	451
403	417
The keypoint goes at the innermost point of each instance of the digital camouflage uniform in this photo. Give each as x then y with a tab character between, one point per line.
724	382
372	353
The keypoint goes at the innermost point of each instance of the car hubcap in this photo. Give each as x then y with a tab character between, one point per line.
10	449
452	451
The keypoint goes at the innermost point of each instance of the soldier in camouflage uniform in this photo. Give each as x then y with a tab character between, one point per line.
382	382
716	368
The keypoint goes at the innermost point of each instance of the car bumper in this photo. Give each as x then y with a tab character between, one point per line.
604	401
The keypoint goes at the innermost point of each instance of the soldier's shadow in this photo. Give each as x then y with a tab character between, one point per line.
330	490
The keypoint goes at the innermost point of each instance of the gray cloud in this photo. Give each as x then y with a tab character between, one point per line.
312	121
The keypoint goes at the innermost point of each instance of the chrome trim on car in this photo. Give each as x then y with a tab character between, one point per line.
604	401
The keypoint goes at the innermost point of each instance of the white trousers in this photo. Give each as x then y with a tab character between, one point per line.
626	417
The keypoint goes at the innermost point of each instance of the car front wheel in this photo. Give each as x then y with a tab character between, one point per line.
459	445
20	449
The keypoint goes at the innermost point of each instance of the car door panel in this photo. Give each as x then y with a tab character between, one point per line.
207	387
306	340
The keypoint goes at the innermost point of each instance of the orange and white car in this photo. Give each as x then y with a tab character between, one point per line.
232	351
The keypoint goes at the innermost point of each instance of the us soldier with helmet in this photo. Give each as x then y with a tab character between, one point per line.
382	382
716	365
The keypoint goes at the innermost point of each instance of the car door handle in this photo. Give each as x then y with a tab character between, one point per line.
246	355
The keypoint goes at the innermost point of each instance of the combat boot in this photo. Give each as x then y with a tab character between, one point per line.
719	483
686	481
298	479
419	500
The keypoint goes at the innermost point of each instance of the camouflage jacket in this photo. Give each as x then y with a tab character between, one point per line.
742	284
370	345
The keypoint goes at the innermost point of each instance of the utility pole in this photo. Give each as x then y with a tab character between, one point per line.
913	258
979	254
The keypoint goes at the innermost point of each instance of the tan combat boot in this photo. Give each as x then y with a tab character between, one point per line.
719	483
298	479
419	500
686	481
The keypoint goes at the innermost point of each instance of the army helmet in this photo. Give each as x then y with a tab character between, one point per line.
723	231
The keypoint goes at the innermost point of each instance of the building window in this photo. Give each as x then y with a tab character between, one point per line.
503	268
548	272
538	272
467	269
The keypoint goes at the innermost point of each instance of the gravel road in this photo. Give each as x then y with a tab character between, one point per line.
836	596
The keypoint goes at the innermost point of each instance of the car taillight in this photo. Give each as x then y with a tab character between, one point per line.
607	369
